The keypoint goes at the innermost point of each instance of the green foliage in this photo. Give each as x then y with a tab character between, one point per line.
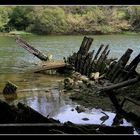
47	20
4	17
133	16
18	18
70	19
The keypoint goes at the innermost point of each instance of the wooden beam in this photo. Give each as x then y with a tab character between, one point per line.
120	85
31	49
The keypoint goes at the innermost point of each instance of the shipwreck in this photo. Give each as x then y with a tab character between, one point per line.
108	75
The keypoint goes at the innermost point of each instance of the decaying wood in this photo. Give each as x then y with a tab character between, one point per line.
50	66
85	46
9	88
121	84
121	113
130	100
114	71
31	49
99	50
119	65
134	63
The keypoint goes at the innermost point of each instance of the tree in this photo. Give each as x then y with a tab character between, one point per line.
47	20
4	17
133	16
18	18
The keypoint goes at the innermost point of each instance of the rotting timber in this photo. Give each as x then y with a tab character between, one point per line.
114	71
98	68
47	64
108	74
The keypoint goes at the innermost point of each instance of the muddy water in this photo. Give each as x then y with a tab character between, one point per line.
16	65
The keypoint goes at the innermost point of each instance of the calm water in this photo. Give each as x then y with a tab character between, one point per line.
17	65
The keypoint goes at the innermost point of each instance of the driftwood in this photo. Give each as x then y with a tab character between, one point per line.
31	49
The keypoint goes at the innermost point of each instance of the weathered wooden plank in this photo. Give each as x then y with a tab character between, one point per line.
31	49
124	59
121	63
130	73
101	58
87	62
103	66
133	63
116	73
120	85
50	65
85	46
99	50
88	71
9	88
78	61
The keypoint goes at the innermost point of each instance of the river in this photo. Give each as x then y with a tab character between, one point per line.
16	65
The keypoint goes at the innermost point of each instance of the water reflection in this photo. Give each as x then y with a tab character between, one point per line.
61	108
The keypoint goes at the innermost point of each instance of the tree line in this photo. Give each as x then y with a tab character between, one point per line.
70	19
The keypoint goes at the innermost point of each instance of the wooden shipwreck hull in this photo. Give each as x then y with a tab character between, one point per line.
86	62
119	73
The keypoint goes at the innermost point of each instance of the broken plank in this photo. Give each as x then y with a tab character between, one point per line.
31	49
99	50
120	85
50	66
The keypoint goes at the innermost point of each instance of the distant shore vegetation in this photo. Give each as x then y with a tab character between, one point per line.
46	20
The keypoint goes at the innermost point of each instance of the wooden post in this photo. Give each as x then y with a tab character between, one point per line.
9	88
121	63
121	84
99	50
85	46
31	49
134	63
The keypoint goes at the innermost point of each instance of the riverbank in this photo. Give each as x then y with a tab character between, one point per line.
11	33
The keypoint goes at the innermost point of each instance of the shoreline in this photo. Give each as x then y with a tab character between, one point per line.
12	33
